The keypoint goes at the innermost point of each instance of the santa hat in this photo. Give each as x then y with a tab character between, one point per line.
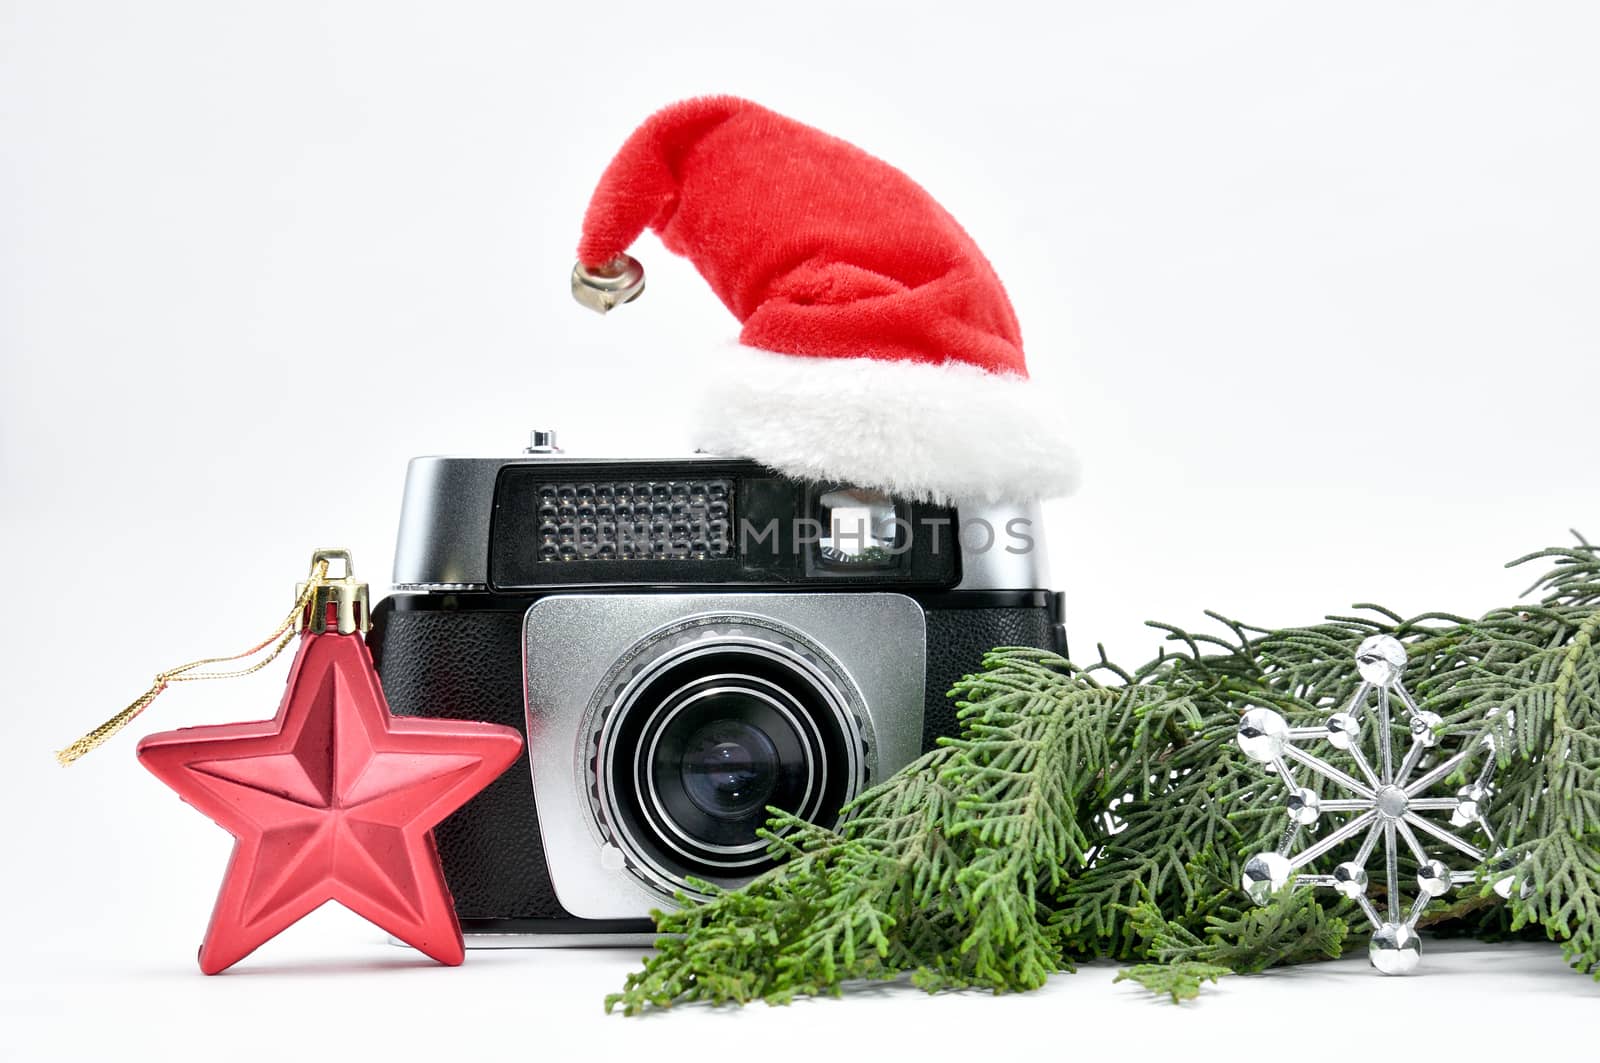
879	347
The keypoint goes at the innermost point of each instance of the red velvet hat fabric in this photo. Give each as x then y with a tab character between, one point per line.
817	247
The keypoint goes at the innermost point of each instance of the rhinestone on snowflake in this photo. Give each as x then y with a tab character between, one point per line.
1388	801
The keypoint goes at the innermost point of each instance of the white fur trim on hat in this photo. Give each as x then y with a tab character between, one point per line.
947	432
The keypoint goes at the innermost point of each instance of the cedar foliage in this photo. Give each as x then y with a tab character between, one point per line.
1097	813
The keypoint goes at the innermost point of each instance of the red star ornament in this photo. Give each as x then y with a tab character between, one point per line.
333	799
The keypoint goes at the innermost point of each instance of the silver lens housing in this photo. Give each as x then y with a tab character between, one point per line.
588	658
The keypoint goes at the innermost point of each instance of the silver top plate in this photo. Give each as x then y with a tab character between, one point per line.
443	542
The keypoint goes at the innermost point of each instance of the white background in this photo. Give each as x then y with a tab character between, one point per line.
1315	283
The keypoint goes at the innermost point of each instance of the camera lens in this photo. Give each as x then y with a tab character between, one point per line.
729	768
717	752
706	739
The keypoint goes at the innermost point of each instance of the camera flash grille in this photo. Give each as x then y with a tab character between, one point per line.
653	520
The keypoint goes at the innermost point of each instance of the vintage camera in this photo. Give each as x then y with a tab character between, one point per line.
684	643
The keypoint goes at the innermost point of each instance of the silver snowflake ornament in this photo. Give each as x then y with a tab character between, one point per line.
1387	802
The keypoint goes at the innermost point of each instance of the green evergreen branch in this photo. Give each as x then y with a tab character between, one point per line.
1074	818
1180	981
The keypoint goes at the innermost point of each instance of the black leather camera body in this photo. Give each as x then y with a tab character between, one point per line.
684	643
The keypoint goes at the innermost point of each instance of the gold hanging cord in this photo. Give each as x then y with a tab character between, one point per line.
185	673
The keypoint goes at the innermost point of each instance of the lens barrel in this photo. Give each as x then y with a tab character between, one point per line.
716	753
705	739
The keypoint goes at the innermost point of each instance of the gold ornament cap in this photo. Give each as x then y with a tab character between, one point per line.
347	595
